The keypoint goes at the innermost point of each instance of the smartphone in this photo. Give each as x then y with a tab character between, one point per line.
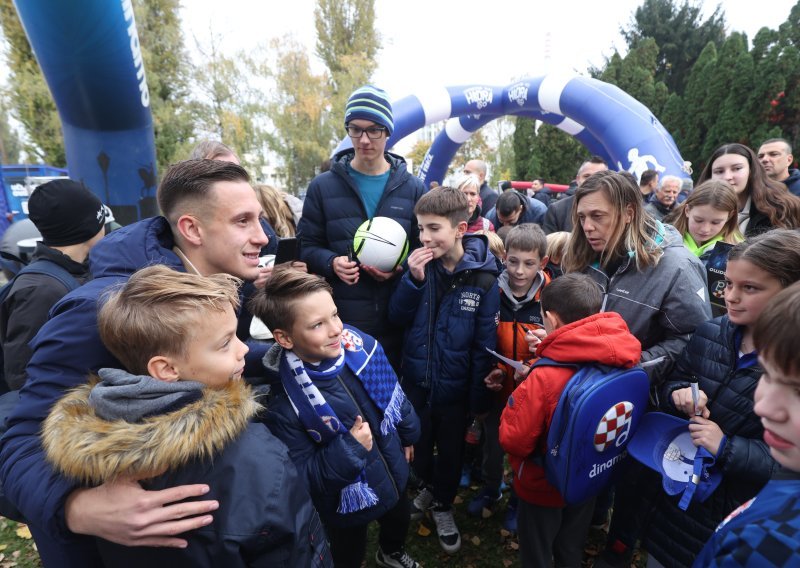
288	250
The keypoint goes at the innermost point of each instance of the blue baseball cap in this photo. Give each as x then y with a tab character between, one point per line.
663	443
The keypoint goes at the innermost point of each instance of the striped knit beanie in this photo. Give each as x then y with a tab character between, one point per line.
370	103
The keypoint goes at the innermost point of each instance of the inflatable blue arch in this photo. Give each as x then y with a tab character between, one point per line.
91	59
605	119
90	55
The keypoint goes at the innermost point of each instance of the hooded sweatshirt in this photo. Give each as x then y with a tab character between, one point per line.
602	338
516	317
168	434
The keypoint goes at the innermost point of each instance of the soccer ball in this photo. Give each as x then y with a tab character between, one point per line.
381	242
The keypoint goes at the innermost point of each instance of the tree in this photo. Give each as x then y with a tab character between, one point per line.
168	74
680	35
417	154
10	143
299	112
30	100
636	75
687	117
476	147
786	113
229	107
501	161
557	155
729	86
523	142
348	45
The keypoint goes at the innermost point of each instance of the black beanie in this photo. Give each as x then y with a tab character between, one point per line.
65	212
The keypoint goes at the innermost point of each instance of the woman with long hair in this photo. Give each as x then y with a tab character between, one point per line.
646	273
764	203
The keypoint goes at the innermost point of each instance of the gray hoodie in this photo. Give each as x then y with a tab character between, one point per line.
662	304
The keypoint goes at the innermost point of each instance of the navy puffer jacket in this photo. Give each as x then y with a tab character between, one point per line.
445	349
675	537
332	211
329	468
65	350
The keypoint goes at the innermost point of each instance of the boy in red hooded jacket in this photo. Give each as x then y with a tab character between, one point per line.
576	333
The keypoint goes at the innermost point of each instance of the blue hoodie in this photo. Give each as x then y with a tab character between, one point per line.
446	338
65	350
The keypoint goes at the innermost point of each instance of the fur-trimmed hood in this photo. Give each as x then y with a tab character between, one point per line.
93	451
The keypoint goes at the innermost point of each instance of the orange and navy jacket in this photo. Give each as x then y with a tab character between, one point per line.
516	317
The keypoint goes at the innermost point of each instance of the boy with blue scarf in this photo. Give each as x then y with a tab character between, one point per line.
344	417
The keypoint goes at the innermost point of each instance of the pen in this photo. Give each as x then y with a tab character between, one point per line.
695	397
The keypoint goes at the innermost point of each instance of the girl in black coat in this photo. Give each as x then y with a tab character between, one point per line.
722	359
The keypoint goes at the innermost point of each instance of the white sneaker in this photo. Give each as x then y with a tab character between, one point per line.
421	503
446	529
395	560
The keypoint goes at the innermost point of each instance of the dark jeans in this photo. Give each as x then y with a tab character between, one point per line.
548	534
349	544
443	429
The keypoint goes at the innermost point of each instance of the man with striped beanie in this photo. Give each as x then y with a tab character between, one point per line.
363	182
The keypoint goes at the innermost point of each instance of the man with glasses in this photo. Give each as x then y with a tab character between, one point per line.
363	182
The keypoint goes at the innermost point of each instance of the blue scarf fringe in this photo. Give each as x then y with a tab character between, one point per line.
356	496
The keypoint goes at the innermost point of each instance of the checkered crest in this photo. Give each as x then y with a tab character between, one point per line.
351	340
614	426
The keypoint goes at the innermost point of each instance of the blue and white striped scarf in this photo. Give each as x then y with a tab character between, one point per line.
365	358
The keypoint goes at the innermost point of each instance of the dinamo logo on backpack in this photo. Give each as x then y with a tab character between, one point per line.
596	416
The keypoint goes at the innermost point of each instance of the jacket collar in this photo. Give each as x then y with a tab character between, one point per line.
91	450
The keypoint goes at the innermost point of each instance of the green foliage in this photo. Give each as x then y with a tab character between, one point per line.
10	144
417	154
557	155
475	148
501	161
524	165
348	44
636	75
228	106
30	99
679	34
300	113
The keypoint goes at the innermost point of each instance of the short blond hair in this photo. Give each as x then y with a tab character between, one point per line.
496	245
155	311
557	246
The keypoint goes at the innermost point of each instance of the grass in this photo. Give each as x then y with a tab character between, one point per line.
17	548
484	543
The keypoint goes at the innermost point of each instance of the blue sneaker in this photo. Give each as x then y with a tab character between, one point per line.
510	521
465	477
485	499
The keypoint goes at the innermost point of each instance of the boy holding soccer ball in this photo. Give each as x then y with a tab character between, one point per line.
363	182
449	301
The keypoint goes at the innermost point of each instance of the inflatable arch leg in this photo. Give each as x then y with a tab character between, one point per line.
91	59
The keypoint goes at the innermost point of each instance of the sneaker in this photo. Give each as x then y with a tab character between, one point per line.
510	521
421	503
465	477
446	529
399	559
485	499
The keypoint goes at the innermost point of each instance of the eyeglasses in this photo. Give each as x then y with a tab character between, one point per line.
373	132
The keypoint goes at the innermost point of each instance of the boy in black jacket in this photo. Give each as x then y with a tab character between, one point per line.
180	413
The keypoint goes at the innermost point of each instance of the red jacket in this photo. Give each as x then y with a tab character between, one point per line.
601	338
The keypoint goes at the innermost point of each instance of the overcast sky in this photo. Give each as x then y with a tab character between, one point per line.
429	43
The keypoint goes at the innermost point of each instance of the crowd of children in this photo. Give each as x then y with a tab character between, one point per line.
335	428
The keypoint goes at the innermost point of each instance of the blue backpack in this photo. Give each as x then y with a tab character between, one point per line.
597	414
